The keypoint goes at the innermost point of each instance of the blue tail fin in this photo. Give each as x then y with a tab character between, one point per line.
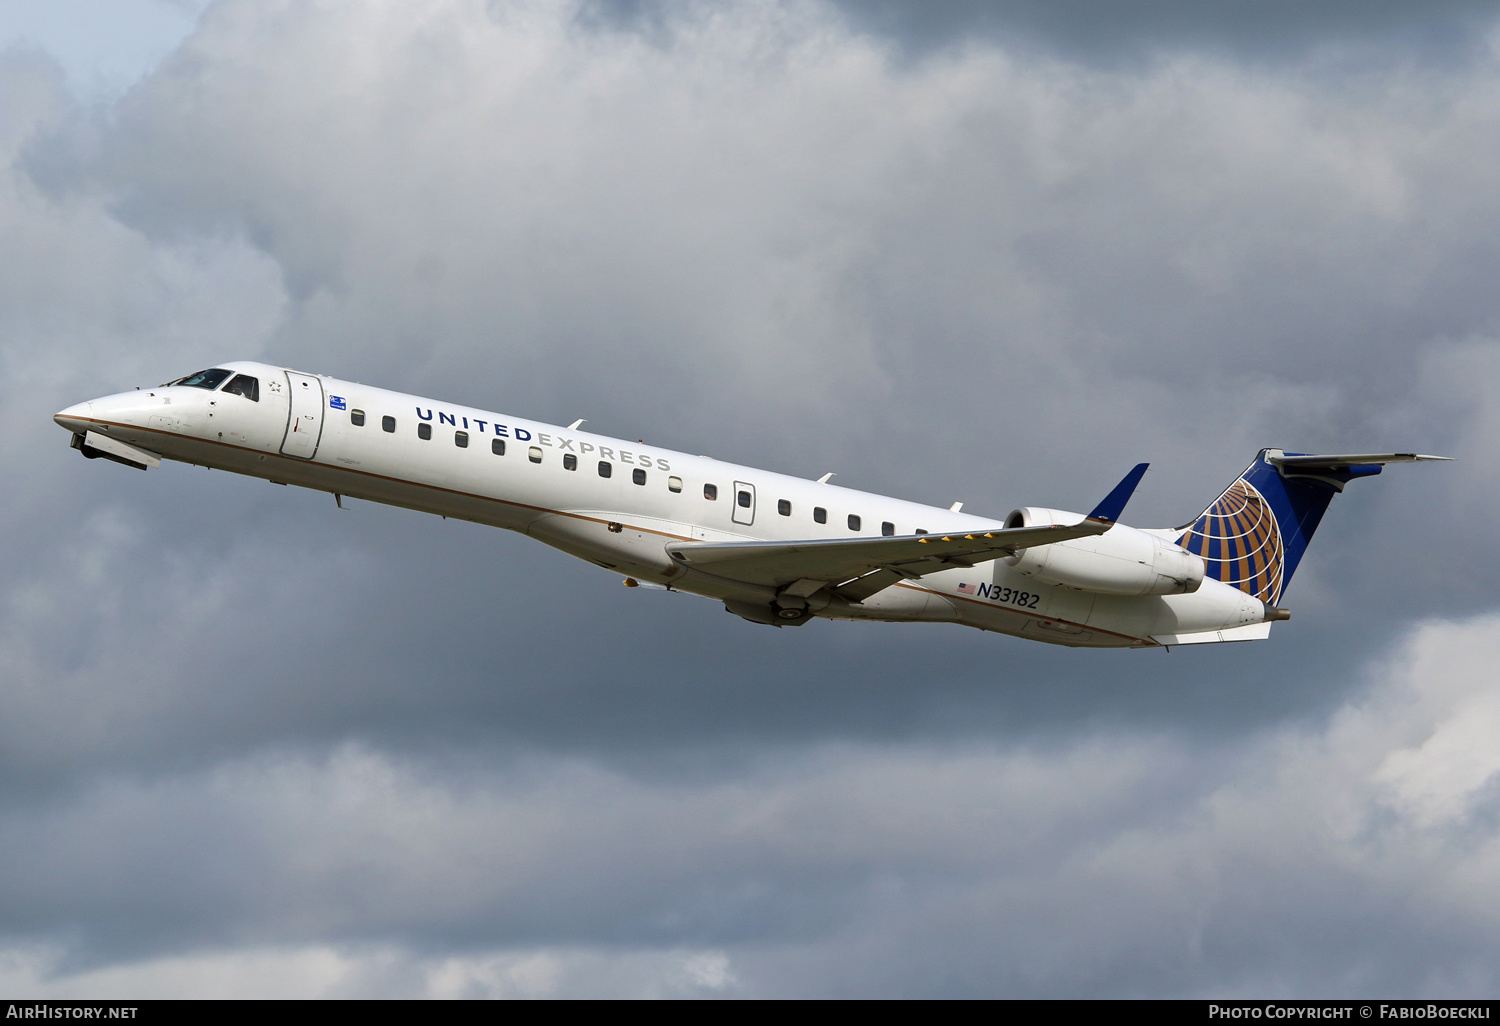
1254	534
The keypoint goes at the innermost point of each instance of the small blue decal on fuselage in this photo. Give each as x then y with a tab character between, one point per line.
337	402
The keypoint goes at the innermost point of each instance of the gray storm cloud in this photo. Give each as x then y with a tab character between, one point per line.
1110	863
246	738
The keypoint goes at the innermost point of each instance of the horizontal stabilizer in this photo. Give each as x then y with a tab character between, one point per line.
1350	460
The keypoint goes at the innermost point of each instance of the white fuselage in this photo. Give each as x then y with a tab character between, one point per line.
301	431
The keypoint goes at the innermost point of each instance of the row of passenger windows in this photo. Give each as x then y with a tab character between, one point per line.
819	514
637	475
497	446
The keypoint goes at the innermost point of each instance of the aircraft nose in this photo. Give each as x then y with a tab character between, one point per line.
76	417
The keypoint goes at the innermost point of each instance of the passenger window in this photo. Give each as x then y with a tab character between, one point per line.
638	476
570	462
534	454
497	446
853	522
461	439
357	418
245	385
820	515
606	468
887	529
710	492
921	530
388	424
784	507
743	499
424	431
674	484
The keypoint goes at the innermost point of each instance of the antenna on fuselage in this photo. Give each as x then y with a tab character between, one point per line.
825	477
574	426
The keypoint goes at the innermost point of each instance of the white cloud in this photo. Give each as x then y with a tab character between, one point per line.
1435	780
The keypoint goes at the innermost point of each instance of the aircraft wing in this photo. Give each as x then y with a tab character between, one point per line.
859	567
838	560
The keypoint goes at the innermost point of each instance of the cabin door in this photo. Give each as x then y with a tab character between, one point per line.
304	422
744	503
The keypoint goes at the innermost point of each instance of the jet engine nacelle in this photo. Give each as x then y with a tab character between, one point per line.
1121	561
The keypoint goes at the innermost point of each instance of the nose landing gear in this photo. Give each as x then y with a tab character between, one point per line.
93	446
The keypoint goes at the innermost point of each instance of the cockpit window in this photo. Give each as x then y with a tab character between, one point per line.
209	379
245	385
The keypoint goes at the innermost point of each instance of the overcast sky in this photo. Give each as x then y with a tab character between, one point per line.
997	253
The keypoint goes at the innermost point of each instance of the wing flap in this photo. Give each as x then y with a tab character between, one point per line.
862	588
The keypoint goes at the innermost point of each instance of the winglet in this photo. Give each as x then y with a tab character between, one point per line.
1108	511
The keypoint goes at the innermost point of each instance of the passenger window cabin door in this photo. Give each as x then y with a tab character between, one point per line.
744	503
304	422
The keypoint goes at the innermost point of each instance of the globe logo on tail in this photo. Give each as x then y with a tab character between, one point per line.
1240	542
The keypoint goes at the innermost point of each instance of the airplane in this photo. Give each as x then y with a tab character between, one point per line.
775	549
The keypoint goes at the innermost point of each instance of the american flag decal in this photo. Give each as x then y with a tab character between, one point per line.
967	589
